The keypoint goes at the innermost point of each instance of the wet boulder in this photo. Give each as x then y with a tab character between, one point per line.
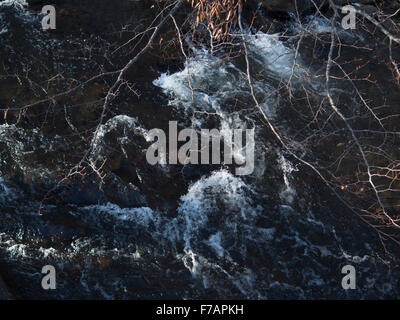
119	140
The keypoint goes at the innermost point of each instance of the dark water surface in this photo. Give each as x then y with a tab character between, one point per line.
153	231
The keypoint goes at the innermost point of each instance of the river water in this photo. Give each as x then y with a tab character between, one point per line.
162	231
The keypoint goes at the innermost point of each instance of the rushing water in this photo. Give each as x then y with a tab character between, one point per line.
166	232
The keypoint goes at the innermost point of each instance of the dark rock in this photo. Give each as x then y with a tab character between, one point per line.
288	6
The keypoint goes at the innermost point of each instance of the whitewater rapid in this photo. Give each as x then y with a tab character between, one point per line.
211	234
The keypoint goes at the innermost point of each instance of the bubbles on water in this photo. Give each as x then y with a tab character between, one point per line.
274	55
15	3
288	193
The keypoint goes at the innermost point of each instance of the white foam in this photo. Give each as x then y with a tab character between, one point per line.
209	79
143	215
276	57
288	193
221	194
208	83
126	122
215	242
16	3
316	25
